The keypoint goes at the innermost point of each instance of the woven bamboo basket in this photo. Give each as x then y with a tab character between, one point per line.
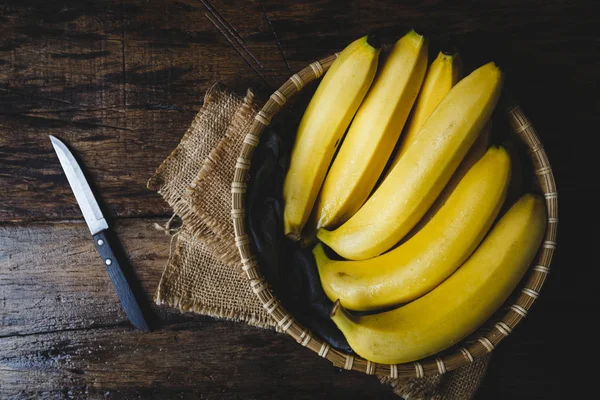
487	337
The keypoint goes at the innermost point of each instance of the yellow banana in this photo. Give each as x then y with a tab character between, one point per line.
476	151
442	75
321	129
422	172
417	266
460	304
373	132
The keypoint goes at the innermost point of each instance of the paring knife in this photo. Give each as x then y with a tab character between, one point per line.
98	227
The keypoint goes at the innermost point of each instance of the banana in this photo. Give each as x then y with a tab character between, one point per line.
373	132
321	129
430	256
423	170
460	304
442	75
476	151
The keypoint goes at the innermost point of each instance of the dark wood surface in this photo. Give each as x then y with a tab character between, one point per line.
120	81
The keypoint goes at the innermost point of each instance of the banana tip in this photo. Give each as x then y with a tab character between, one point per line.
495	65
416	32
295	236
335	308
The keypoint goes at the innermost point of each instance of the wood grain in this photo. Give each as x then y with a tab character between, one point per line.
120	82
200	359
52	277
62	328
63	331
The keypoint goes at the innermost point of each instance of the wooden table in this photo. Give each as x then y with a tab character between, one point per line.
120	82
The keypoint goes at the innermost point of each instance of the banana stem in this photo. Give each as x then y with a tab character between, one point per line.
342	318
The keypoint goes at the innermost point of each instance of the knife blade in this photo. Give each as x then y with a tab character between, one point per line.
100	232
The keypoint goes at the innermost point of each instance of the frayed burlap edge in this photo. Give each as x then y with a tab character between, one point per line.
259	321
217	102
219	235
156	182
164	295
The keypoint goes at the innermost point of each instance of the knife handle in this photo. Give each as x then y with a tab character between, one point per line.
122	287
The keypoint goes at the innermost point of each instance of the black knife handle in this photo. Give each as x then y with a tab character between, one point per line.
122	287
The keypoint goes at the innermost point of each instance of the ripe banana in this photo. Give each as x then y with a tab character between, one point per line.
460	304
419	265
442	75
321	129
423	170
373	132
476	151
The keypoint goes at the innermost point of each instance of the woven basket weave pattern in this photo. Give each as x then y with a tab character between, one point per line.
489	336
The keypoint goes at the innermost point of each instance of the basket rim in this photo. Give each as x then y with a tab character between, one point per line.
489	334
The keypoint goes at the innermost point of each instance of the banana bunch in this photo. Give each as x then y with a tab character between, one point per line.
419	239
323	124
461	303
422	171
373	133
430	256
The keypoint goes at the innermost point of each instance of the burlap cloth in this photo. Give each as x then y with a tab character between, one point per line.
203	274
